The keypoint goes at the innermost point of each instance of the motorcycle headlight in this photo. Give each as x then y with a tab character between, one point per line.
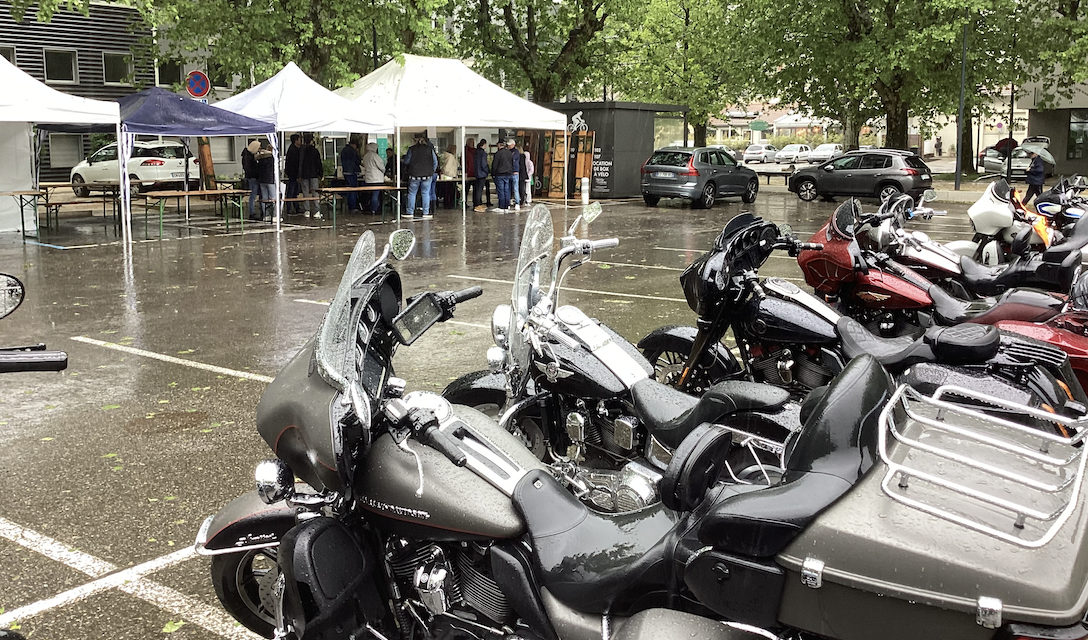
500	325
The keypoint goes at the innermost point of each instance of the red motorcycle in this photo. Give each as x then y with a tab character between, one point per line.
877	290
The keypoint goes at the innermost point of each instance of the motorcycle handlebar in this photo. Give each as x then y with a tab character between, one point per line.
467	294
607	243
810	246
444	444
33	361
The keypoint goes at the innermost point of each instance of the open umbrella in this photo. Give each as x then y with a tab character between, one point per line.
1039	149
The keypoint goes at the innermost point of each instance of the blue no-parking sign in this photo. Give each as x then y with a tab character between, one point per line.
198	84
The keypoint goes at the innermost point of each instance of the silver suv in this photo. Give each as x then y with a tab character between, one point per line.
702	175
760	152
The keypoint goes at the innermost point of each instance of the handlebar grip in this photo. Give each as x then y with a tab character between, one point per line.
607	243
33	361
467	294
444	444
810	246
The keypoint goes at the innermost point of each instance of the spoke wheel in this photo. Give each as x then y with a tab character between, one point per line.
706	197
807	190
669	365
243	582
889	191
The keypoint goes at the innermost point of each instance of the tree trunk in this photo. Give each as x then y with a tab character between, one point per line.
851	131
700	133
895	112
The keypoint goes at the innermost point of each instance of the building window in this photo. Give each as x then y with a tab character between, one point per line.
1078	134
8	53
65	150
169	73
117	68
222	149
219	77
60	66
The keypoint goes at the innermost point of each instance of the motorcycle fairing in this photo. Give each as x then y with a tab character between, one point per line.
245	523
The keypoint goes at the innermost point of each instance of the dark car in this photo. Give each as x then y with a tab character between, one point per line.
876	173
702	175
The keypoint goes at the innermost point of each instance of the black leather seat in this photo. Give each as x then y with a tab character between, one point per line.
949	310
962	344
836	446
670	415
597	561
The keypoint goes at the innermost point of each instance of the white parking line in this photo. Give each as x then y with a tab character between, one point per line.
171	359
130	581
603	293
463	324
635	264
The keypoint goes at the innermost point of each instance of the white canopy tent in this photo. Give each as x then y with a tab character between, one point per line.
26	101
294	102
443	92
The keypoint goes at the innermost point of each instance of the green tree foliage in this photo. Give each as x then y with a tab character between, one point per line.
334	41
546	46
676	51
1057	46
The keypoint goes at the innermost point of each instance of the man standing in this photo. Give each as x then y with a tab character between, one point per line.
421	163
352	164
373	174
291	169
502	169
249	171
310	171
266	174
470	168
480	173
1035	177
515	191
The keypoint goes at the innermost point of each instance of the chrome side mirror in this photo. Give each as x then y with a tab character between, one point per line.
785	230
12	294
275	481
401	243
588	215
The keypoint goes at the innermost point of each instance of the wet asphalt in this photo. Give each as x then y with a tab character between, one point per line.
122	456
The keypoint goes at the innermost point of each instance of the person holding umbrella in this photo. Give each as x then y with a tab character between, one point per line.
1036	171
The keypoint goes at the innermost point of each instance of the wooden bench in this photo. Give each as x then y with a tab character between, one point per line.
52	209
774	170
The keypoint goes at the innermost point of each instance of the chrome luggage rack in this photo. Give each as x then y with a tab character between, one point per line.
1014	482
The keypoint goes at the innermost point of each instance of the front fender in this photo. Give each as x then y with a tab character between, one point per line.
680	338
245	523
477	388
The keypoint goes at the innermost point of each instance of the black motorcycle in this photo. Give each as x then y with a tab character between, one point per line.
788	337
582	397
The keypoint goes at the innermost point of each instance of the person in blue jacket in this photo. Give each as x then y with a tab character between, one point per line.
1035	178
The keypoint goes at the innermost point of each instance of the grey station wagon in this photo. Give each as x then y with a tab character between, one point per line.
702	175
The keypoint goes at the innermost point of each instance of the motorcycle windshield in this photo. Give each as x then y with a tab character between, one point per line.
334	347
532	279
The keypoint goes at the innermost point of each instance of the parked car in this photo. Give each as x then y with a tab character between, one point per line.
702	175
153	165
792	153
825	152
994	162
878	173
760	153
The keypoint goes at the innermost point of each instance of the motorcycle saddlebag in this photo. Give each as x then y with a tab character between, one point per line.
328	588
908	554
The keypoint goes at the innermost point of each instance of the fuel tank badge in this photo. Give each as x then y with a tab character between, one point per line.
418	514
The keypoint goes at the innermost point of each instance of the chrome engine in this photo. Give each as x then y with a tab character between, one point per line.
785	368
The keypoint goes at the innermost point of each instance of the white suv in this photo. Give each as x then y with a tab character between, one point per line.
153	165
760	152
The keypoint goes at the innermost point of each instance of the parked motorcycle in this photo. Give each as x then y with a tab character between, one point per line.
884	235
418	519
25	358
790	338
1064	203
999	218
579	395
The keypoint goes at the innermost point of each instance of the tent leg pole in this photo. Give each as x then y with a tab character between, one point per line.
396	158
464	178
566	166
276	204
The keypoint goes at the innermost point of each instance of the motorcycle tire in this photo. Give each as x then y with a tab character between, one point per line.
239	586
668	362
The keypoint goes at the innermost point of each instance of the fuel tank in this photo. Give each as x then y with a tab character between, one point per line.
294	417
582	373
1026	305
931	260
880	290
1067	331
778	320
455	504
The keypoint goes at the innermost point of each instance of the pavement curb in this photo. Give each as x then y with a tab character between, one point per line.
942	195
